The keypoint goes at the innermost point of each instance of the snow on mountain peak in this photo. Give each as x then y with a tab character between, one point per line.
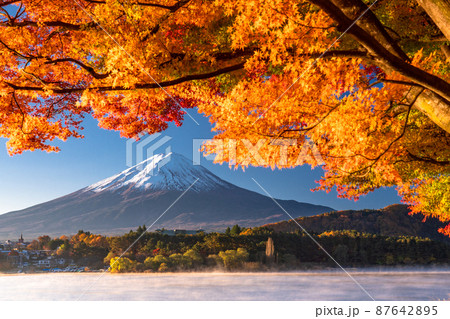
170	171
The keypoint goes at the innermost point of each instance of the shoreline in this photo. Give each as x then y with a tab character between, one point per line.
386	270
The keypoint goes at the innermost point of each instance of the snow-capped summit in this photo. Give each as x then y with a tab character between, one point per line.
170	171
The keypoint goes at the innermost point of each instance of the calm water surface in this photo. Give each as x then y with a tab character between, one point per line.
382	285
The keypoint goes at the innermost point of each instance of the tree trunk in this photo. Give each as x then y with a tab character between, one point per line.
369	32
435	108
369	22
429	103
439	12
446	50
270	251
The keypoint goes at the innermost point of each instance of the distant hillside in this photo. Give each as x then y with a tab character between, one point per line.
392	220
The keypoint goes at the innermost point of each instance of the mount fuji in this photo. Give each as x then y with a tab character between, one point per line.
142	193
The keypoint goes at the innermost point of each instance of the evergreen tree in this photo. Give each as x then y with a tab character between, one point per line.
235	230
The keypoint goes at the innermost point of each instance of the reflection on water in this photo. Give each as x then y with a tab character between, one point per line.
385	285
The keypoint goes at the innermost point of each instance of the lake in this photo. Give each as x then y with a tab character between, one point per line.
322	285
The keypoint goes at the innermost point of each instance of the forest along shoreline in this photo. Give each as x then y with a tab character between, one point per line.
258	249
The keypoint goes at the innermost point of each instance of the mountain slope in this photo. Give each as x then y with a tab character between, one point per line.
393	220
140	194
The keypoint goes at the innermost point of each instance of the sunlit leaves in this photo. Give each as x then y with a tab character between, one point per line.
293	82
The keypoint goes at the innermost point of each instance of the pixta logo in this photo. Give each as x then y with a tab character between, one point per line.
138	151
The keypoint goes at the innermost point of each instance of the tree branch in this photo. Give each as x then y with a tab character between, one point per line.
374	160
89	69
225	56
17	53
309	128
408	83
172	8
187	78
427	159
7	3
68	26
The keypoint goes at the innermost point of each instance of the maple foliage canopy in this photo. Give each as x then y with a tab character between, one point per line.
370	87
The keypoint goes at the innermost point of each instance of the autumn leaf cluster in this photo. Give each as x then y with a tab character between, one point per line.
370	92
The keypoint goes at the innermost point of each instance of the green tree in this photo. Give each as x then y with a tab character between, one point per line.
235	230
234	259
154	263
194	256
108	257
163	267
178	261
65	250
55	243
123	264
141	229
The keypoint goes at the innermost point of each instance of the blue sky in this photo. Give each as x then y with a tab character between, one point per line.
36	177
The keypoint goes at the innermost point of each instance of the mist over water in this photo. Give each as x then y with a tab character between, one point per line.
411	284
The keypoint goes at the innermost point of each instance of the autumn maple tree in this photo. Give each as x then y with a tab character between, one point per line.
367	82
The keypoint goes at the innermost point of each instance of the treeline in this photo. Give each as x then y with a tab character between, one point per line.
393	220
244	249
